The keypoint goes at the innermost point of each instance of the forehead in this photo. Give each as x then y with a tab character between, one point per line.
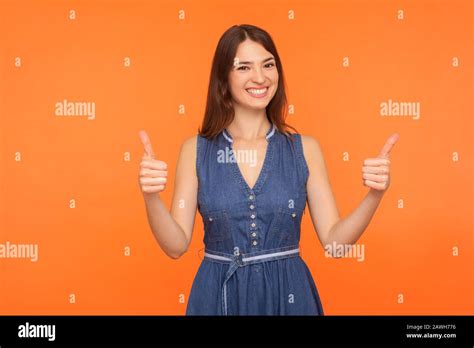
252	51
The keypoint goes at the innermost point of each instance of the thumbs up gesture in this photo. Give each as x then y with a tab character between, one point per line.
153	173
376	171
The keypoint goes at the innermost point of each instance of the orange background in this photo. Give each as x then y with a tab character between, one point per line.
81	251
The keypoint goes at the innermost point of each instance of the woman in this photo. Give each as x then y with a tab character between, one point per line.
250	178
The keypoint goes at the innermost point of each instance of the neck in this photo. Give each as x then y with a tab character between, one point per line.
249	126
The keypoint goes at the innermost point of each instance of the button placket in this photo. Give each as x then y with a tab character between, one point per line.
253	221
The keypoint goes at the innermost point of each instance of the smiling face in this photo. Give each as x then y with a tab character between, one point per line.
253	79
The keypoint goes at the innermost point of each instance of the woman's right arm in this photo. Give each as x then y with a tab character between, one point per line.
172	229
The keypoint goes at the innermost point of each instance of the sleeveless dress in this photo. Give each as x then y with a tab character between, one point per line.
252	264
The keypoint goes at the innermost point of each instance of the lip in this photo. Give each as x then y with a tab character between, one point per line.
261	87
258	96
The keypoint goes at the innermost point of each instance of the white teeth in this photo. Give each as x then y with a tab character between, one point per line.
257	91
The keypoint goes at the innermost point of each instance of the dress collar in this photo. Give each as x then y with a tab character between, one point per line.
270	133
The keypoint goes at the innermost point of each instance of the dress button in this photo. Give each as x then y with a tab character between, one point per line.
254	242
252	206
253	224
210	219
251	197
254	234
293	215
252	216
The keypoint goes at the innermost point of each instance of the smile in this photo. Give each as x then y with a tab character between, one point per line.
257	93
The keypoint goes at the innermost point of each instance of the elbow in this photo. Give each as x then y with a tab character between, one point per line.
176	254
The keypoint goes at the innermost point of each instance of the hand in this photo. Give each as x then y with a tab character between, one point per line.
376	171
153	173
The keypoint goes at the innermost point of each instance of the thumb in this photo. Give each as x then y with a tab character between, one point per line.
389	145
146	145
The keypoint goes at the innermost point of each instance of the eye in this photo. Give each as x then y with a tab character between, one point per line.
268	65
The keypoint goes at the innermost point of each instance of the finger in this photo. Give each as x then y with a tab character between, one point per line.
375	177
152	189
389	145
375	170
146	144
376	162
375	185
152	173
154	164
152	181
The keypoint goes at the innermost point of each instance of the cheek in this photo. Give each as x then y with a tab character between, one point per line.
274	86
238	91
274	76
237	86
274	80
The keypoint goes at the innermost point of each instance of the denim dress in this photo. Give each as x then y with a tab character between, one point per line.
251	263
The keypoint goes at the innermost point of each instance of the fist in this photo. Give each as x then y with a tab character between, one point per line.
153	173
376	171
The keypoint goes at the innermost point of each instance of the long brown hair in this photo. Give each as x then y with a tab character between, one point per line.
219	108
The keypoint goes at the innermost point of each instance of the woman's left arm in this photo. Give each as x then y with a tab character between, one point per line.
375	175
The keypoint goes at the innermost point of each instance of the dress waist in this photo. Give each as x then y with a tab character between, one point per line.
238	259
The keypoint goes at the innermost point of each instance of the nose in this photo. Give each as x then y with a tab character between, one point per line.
259	76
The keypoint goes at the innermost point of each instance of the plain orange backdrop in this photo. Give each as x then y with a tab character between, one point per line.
408	250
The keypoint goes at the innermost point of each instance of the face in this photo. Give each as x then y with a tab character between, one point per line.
253	79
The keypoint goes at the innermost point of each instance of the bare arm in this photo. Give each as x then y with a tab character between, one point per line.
376	176
321	203
172	230
330	227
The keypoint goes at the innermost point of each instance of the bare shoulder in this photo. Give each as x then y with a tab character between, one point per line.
311	149
309	141
189	144
187	155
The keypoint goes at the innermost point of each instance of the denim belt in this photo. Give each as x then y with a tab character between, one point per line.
237	260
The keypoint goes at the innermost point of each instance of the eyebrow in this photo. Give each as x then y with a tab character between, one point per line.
263	61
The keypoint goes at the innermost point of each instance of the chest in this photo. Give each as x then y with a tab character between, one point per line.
269	172
249	159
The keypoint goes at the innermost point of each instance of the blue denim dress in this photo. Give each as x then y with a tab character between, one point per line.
251	263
